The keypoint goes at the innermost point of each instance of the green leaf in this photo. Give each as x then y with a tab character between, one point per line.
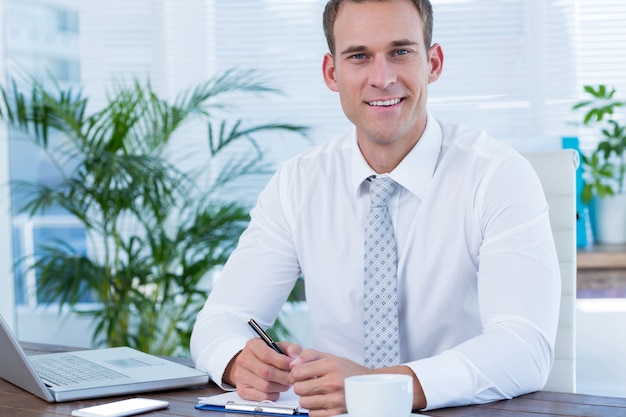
157	232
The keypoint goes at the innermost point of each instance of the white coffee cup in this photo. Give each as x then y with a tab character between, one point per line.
379	395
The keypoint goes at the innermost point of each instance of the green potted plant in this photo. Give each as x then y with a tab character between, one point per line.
604	168
156	233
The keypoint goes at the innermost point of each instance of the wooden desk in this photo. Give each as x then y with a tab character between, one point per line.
15	402
601	271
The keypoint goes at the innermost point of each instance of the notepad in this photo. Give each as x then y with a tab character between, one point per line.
287	404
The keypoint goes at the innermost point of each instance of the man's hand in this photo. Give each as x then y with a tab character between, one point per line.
318	378
258	372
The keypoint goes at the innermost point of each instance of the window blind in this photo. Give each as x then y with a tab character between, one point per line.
513	68
508	68
601	51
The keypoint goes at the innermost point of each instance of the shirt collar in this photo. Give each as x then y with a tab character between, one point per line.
416	169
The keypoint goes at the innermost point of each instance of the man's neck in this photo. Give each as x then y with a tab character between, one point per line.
385	157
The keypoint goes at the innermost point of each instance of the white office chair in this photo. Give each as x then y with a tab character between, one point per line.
557	172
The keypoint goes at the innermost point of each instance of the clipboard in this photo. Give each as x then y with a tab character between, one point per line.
231	402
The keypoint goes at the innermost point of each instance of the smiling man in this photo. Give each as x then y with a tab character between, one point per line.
381	66
447	272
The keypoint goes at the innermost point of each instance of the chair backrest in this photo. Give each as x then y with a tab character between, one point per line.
557	173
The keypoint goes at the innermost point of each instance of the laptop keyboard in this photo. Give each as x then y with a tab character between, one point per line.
68	369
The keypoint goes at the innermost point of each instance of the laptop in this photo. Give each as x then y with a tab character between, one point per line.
68	376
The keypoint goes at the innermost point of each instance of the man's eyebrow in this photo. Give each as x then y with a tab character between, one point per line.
403	42
362	48
353	49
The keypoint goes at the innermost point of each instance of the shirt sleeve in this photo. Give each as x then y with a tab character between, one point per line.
519	292
255	282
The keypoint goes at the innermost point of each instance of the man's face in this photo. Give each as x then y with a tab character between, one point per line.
381	70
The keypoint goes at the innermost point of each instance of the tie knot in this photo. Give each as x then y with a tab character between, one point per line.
381	189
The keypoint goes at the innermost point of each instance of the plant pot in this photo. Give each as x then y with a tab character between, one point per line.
610	219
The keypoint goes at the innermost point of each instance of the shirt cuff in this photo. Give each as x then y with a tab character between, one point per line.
441	381
220	357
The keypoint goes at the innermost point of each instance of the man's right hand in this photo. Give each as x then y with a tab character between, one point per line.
260	373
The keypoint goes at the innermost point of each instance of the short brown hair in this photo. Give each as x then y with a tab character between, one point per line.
424	8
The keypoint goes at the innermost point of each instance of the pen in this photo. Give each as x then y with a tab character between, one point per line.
266	338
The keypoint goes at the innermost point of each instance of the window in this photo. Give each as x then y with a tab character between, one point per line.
509	67
65	70
67	21
31	45
28	235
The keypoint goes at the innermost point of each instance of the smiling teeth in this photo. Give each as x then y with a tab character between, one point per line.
385	102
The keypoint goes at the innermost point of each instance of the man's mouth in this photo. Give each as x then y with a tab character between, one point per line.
385	103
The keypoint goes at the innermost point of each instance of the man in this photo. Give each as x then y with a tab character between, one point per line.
474	263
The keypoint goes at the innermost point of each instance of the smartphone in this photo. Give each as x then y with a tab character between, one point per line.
121	408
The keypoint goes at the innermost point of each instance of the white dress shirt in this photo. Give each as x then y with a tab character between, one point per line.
478	275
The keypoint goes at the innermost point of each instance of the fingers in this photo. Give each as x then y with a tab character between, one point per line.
291	349
314	374
318	378
324	405
307	356
259	373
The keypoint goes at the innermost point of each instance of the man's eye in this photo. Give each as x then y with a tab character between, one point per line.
402	52
358	56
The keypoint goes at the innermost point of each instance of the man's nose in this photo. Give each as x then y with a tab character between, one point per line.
382	73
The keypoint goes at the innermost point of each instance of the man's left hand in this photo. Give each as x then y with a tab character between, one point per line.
318	379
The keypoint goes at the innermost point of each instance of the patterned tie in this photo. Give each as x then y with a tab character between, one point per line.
380	301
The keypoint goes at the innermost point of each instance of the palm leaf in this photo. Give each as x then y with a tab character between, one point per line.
156	233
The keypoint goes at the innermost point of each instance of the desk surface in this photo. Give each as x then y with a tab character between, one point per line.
15	402
601	271
601	257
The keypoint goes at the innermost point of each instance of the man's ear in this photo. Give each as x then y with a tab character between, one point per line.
328	70
435	57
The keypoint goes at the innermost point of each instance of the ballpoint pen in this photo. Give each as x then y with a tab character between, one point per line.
266	338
